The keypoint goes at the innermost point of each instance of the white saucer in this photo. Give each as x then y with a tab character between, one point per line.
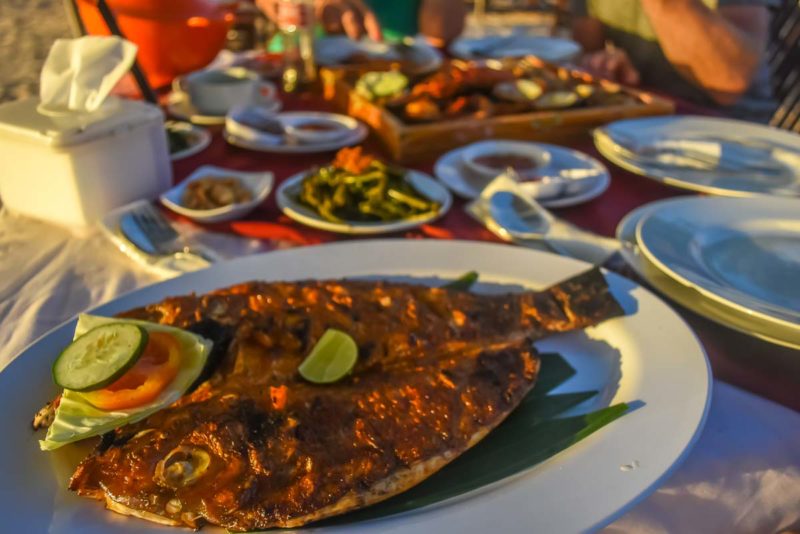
179	105
264	142
690	298
452	173
426	185
744	253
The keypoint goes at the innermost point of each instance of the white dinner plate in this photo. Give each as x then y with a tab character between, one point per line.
244	136
742	252
719	312
335	50
197	138
451	171
426	185
648	358
688	134
551	49
259	184
180	105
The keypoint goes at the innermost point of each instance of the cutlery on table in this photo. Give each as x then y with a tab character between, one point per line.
147	229
508	212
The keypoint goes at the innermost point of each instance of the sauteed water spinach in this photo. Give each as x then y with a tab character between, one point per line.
358	187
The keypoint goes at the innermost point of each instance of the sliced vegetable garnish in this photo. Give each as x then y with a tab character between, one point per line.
99	357
76	418
375	85
331	359
154	371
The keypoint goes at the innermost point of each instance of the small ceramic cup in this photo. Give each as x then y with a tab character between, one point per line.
214	92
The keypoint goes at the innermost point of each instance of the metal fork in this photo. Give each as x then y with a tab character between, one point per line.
162	237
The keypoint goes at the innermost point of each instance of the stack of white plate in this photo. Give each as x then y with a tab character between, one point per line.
714	156
734	261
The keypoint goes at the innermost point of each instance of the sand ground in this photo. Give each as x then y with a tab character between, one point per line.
27	30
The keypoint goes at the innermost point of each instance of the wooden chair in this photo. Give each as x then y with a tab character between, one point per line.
783	54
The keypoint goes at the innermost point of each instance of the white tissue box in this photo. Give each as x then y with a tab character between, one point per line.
72	170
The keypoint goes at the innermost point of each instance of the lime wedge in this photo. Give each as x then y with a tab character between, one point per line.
333	357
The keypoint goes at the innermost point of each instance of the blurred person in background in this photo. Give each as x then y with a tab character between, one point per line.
440	21
711	52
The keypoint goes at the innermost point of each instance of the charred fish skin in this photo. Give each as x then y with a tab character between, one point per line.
397	317
255	446
299	453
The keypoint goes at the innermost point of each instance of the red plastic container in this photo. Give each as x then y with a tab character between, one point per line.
174	36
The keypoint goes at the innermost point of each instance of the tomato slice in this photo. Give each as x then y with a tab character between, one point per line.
151	374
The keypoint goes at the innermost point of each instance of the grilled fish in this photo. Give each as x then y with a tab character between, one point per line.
254	446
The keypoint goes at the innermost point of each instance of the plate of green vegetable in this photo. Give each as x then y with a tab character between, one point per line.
185	139
359	194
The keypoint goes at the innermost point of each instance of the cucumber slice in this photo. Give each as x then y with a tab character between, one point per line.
374	85
99	357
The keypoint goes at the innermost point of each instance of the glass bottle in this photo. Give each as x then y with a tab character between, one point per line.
295	19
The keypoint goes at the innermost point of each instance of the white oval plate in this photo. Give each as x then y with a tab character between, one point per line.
744	253
648	358
423	183
334	50
682	129
179	105
199	138
450	170
259	183
243	136
719	312
550	49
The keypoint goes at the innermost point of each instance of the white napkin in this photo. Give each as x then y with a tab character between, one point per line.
79	74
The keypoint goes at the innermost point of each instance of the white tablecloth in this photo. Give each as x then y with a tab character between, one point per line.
743	475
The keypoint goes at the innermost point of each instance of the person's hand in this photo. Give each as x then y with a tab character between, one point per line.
351	17
612	64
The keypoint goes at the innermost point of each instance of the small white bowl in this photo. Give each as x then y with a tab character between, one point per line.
214	92
259	183
536	180
338	127
471	155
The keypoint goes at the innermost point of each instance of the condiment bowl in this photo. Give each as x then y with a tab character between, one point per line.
487	160
310	130
259	184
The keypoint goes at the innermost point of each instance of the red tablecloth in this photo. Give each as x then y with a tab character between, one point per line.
765	369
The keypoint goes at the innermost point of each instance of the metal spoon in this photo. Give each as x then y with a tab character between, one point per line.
524	219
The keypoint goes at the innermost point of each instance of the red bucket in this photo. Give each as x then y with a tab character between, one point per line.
174	36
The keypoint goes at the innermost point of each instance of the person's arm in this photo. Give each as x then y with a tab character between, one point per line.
441	21
599	59
589	33
719	51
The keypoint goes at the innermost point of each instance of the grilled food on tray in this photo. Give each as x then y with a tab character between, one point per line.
252	444
486	89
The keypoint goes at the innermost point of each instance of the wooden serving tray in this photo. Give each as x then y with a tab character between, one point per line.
414	142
